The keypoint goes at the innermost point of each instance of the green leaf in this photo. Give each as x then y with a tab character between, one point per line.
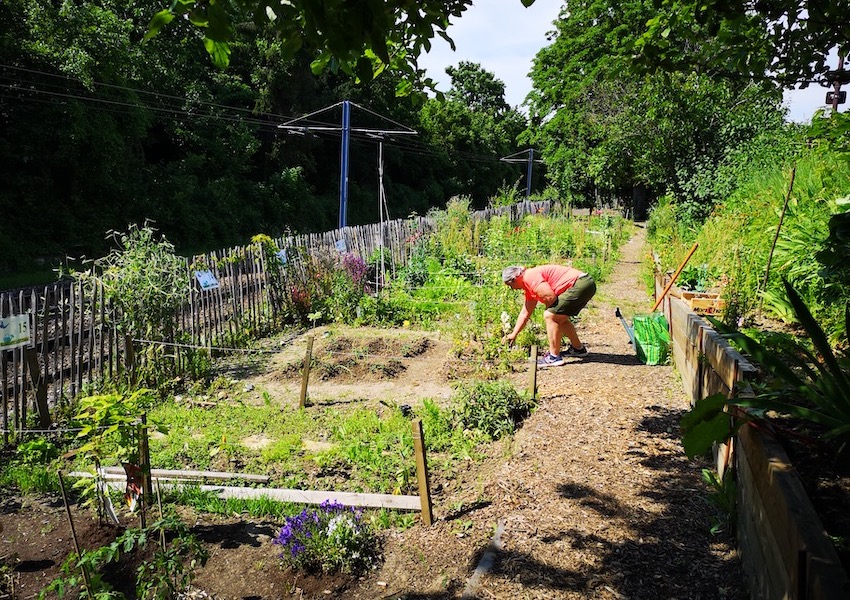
705	424
219	52
160	20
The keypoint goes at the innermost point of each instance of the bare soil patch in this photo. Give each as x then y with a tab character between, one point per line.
592	498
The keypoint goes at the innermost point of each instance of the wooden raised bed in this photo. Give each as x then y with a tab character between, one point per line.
784	548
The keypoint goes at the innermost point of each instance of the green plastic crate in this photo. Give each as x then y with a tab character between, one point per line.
652	338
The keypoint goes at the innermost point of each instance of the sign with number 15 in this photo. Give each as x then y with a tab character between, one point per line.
14	331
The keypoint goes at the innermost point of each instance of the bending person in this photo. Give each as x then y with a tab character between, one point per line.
564	291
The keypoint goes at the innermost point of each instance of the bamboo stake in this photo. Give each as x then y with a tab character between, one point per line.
673	279
422	472
763	287
86	580
161	516
305	372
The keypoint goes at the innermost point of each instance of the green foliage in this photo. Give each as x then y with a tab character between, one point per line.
662	131
698	278
111	153
356	37
495	408
145	279
813	386
776	41
707	423
168	573
724	496
107	424
29	478
735	241
39	450
809	386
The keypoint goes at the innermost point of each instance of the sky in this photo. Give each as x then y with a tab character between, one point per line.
503	37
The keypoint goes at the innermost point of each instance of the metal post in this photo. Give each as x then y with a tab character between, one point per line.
528	174
837	85
343	164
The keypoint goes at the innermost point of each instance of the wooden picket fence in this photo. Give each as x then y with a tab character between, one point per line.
75	340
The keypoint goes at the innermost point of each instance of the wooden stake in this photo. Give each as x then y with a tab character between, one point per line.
130	359
86	581
39	385
145	466
422	472
161	516
673	279
305	372
532	386
763	287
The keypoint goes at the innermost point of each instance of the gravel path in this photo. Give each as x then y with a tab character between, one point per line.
594	498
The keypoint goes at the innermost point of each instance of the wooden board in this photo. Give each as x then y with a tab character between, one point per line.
302	496
785	517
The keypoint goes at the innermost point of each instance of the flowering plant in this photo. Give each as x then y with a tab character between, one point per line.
330	539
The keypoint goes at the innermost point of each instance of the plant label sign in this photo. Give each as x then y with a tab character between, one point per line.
206	280
281	256
341	245
15	331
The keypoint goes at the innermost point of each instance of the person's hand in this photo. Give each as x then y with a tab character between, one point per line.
509	339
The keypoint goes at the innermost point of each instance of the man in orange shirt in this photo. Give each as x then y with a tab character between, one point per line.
564	291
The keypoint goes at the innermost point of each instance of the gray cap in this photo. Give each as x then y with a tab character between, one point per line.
511	273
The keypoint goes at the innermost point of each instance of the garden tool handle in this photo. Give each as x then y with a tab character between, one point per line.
675	275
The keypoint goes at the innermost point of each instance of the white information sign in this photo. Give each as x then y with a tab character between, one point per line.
15	331
341	246
206	280
282	256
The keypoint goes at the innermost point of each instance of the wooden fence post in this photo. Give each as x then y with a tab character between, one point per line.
422	472
532	385
39	384
305	372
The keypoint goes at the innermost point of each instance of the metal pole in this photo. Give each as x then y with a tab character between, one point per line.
343	164
837	85
528	174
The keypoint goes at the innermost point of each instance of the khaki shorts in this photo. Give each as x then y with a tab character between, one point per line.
571	301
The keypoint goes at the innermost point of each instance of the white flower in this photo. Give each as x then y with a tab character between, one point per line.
506	322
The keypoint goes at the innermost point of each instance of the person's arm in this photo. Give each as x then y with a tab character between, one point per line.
546	294
522	319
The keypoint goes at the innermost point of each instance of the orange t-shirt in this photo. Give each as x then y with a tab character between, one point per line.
558	277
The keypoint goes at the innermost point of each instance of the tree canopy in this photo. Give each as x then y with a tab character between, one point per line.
787	41
605	130
359	37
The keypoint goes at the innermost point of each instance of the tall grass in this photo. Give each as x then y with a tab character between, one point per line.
736	239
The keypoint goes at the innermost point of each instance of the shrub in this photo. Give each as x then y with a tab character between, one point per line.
329	539
493	408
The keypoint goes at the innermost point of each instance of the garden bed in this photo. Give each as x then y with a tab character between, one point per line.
593	495
787	546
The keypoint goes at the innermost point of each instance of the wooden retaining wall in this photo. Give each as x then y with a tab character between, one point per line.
786	553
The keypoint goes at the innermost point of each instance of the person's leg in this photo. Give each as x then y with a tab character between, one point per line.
556	327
